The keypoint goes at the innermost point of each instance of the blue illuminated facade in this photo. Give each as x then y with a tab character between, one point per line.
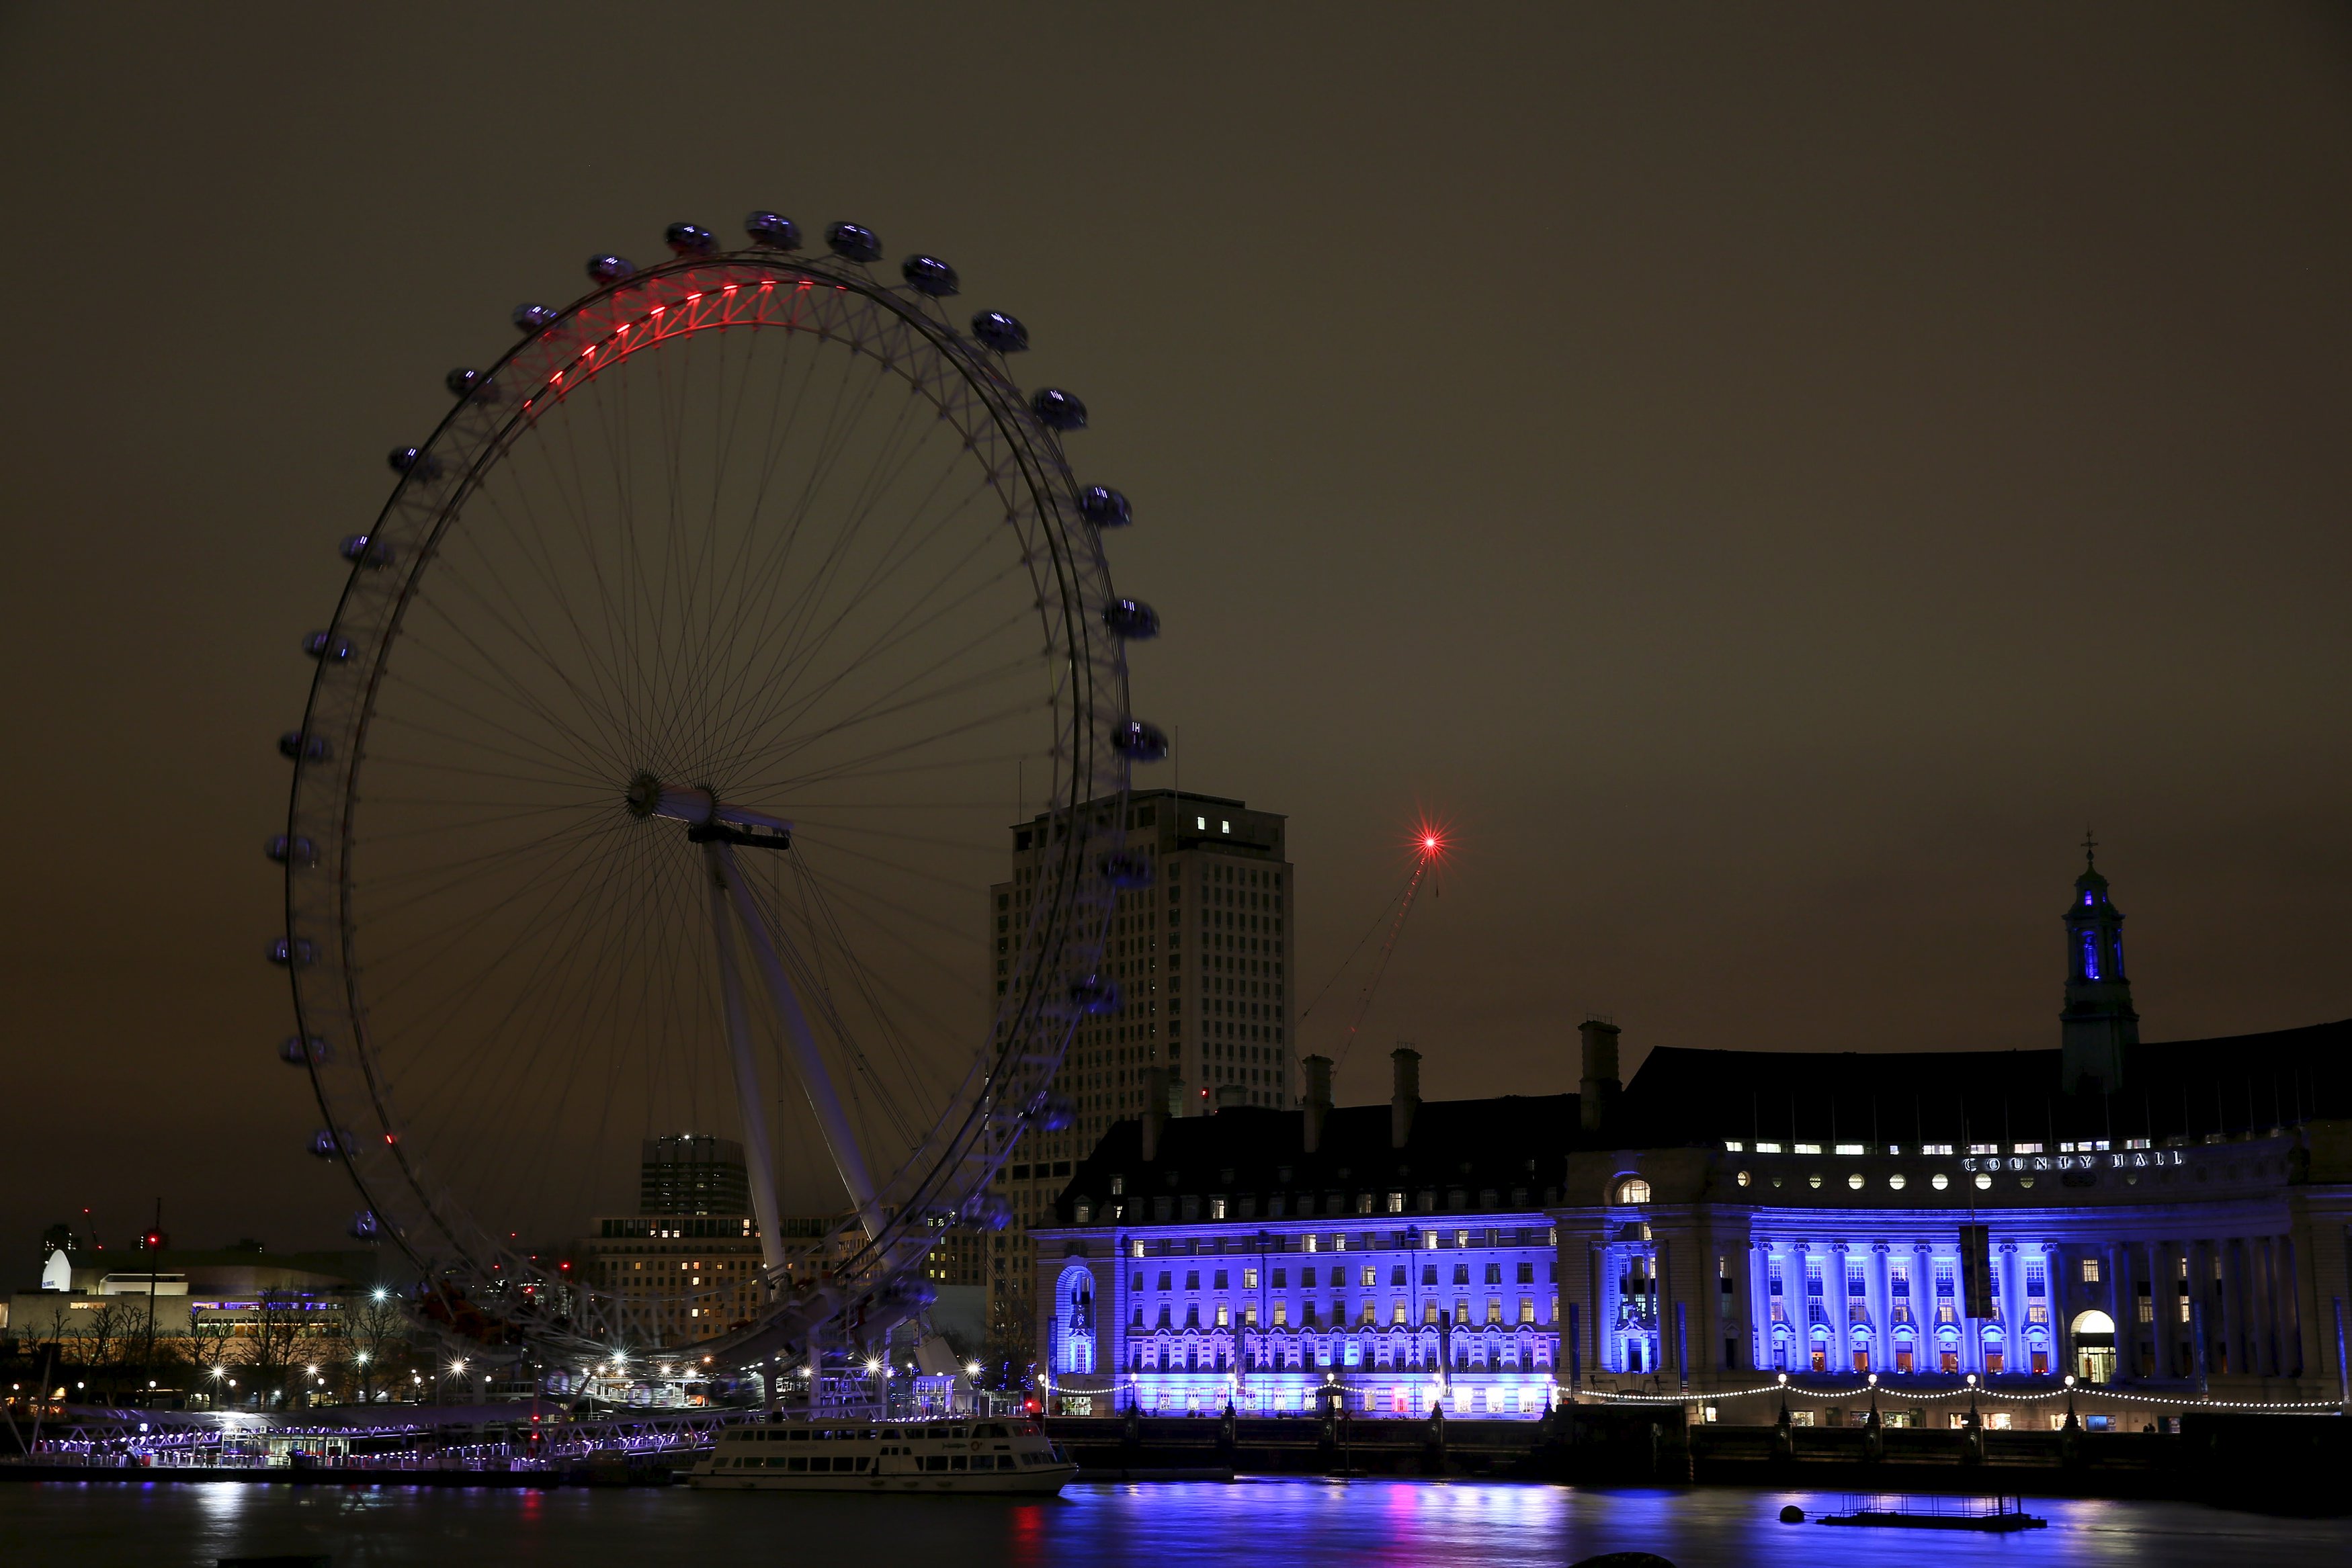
2164	1223
1390	1257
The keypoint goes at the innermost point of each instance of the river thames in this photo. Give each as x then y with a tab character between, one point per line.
1281	1523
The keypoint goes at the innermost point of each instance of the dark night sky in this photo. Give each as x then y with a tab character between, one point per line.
1767	479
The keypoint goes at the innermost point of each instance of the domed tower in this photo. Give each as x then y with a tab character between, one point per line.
2098	1026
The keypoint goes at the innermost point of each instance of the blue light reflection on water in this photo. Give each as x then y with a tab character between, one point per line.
1250	1524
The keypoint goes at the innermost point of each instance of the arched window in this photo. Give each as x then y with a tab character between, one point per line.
1074	1320
1633	1189
2094	1347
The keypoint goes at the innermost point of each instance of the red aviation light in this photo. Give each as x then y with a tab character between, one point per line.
1429	840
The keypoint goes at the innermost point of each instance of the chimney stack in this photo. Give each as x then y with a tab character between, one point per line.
1318	1102
1230	1095
1405	1093
1155	1108
1597	1094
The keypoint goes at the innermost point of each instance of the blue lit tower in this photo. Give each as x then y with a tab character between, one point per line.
2099	1025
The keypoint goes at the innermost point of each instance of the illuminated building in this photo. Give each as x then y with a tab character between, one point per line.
692	1259
1400	1254
1201	956
2165	1223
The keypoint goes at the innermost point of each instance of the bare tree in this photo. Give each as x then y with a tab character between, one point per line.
212	1340
103	1329
378	1328
278	1327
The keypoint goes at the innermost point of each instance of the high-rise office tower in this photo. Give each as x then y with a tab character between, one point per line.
1202	958
692	1173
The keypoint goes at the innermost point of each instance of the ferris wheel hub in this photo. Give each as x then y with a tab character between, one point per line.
705	818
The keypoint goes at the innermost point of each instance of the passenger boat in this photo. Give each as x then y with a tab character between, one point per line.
973	1454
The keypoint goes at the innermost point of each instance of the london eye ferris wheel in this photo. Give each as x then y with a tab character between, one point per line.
654	774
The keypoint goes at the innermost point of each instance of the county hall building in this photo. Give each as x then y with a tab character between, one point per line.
2165	1224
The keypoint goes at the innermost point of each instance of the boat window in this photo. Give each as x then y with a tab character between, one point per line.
798	1436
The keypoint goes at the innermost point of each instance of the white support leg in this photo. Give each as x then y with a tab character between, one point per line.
831	1120
756	1153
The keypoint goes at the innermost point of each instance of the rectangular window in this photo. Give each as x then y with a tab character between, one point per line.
2090	1270
1849	1148
1249	1278
1527	1309
1809	1148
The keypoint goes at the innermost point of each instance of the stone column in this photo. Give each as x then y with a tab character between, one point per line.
2126	1330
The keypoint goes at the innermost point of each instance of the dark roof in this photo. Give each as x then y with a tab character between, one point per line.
2170	1089
1477	1145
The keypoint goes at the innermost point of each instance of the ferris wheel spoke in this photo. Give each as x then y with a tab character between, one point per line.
797	651
785	706
604	695
541	757
817	912
534	708
437	944
864	765
561	957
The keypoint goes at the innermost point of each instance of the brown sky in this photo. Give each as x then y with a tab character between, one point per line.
1768	478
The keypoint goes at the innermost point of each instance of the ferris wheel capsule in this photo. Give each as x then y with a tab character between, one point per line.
773	230
610	269
363	1227
1095	996
1131	619
690	239
326	646
1104	507
293	952
929	275
1140	742
288	849
1126	872
463	382
413	461
296	1052
325	1145
853	242
1003	333
363	550
296	745
533	318
1052	1113
1057	410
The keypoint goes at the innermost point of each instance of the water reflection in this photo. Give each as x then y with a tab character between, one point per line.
1248	1524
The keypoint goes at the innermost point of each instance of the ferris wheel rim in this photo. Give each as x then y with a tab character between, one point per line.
1043	472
